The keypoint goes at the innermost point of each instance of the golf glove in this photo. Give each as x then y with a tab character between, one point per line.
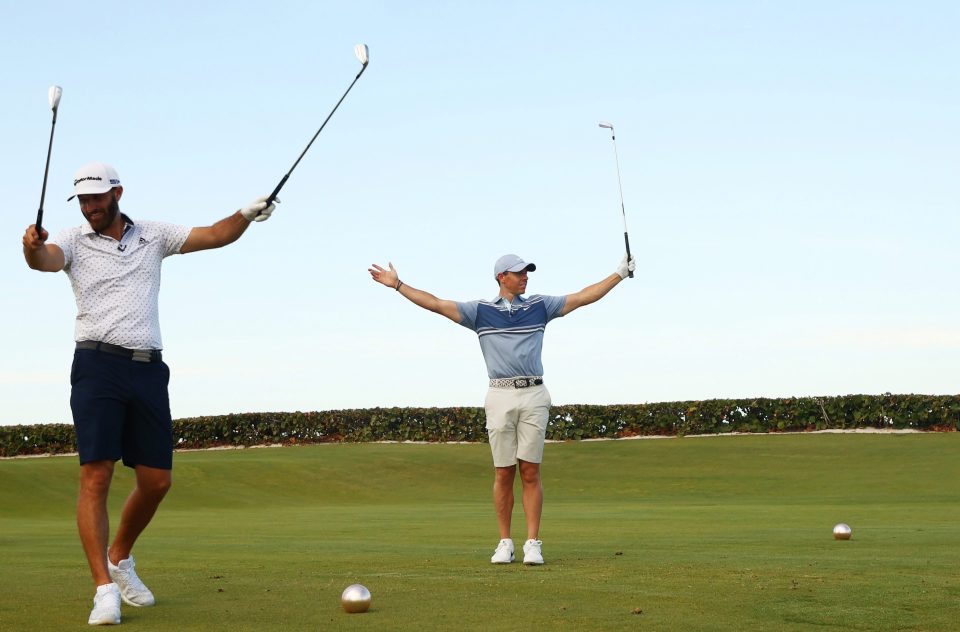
626	267
258	211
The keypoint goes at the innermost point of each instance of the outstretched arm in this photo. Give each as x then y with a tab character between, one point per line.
229	229
426	300
593	293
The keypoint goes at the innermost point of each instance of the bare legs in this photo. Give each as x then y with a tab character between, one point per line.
532	497
93	522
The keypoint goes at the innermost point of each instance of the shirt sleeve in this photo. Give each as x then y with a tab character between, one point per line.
64	240
468	314
553	304
174	236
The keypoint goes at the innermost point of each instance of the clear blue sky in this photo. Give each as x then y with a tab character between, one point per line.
791	173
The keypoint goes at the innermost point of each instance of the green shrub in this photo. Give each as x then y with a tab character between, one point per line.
570	422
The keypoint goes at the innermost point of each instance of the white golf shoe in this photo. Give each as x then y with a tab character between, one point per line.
106	606
531	552
132	590
504	552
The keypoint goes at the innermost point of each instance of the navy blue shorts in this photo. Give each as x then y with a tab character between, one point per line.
121	409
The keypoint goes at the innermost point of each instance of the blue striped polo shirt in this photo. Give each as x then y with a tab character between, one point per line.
511	334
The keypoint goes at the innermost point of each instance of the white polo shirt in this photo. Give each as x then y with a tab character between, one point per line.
117	283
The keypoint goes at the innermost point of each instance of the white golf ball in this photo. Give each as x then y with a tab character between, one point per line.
355	598
842	532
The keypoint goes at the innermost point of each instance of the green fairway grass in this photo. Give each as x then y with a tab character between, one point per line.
712	533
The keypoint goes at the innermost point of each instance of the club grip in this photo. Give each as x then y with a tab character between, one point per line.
276	191
626	241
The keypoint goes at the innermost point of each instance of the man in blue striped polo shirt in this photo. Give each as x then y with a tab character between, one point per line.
510	328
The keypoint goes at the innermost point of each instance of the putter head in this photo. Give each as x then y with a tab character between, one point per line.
362	53
606	125
53	95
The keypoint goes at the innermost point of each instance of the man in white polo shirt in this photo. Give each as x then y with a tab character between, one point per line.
510	328
119	395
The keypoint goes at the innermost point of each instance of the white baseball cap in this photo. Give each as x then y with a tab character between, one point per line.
511	263
94	178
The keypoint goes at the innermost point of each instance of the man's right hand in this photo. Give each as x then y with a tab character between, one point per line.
386	276
33	241
39	255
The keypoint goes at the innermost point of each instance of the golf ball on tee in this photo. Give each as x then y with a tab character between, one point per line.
842	532
355	598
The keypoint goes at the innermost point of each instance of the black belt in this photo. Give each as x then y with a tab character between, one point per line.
137	355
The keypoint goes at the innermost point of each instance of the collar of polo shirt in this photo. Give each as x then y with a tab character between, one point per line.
127	225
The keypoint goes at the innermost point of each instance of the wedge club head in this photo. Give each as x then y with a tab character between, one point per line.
362	53
53	95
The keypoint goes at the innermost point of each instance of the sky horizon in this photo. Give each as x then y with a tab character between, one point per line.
789	179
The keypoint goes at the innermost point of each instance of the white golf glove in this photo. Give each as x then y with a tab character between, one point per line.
626	267
258	211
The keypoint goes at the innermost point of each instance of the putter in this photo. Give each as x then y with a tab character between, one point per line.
363	54
53	95
626	237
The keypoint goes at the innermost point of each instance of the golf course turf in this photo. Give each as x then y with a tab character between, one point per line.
696	533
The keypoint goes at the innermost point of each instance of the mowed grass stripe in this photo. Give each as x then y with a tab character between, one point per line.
697	533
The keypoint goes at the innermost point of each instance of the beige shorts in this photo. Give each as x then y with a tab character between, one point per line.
517	423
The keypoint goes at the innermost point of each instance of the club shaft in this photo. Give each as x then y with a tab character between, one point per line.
46	171
623	210
283	181
616	157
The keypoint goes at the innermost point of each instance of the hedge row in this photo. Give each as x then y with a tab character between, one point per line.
919	412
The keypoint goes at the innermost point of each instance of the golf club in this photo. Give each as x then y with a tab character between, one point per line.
626	238
53	95
363	54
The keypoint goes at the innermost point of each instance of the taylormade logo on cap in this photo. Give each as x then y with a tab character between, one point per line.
94	178
511	263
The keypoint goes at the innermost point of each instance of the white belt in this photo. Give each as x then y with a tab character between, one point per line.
516	382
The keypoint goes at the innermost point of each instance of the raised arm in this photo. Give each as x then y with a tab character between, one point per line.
39	255
229	229
426	300
593	293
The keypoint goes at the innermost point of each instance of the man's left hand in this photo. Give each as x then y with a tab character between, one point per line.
258	210
626	267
